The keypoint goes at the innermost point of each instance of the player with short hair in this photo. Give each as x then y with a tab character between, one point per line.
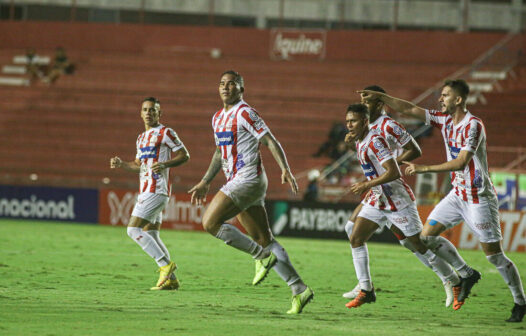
389	200
473	198
153	161
404	148
238	131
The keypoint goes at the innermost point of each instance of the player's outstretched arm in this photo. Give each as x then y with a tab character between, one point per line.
180	157
200	190
279	155
459	163
132	166
399	105
392	172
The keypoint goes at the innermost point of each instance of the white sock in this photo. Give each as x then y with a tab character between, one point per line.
348	228
447	252
360	257
148	244
441	268
235	238
155	234
284	267
510	274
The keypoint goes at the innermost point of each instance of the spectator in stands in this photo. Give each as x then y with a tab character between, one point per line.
332	147
32	66
61	66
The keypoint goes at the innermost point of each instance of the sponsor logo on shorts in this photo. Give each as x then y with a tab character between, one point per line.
483	226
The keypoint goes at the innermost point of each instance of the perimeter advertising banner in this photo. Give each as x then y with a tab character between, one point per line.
315	220
116	205
47	203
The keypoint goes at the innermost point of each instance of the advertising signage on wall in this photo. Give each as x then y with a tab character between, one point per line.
315	220
288	44
116	205
47	203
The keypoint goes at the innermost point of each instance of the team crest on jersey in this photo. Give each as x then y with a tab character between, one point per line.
397	130
253	115
378	144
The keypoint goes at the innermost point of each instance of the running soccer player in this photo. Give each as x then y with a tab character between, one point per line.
389	199
153	162
473	198
238	131
404	148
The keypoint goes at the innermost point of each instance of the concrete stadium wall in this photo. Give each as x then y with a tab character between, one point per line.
405	46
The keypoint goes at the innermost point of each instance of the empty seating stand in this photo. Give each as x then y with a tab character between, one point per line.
66	133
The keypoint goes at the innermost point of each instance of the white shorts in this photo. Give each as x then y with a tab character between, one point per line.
150	206
247	193
406	219
482	218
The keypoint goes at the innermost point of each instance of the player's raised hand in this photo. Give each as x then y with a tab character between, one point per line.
349	138
286	176
369	94
199	192
115	162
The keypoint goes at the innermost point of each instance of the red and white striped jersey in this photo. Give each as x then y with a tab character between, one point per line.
156	145
469	135
372	152
395	134
237	133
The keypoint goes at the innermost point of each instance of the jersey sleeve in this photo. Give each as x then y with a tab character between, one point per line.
138	152
172	140
379	148
253	123
397	132
473	136
435	118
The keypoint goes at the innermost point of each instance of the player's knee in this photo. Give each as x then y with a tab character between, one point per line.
356	241
348	228
210	225
133	232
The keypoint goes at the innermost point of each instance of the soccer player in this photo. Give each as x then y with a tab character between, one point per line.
389	199
473	198
403	148
238	131
153	161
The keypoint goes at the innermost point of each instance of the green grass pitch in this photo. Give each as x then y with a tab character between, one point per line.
74	279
